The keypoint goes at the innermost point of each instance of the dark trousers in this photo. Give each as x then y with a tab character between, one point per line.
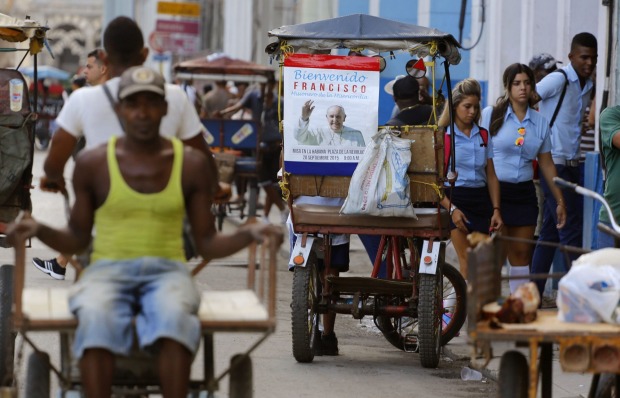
572	232
371	244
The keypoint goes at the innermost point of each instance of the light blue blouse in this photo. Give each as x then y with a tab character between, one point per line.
471	158
513	163
566	131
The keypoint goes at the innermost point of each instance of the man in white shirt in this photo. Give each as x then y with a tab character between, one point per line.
89	113
96	71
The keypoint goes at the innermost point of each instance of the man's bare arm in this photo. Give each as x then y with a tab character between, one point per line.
199	143
209	243
77	235
615	141
61	148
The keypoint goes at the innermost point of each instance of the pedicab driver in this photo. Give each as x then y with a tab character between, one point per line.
136	190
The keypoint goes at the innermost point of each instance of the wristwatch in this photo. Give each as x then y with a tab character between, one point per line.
452	208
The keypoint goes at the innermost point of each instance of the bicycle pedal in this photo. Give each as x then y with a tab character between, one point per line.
411	343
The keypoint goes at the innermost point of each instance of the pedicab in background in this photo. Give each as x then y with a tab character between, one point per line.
17	120
421	289
232	141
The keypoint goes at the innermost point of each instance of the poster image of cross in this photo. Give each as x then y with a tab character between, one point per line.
331	112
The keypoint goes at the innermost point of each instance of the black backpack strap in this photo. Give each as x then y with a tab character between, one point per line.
108	94
557	108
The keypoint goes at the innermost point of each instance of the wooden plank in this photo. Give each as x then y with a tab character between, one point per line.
234	305
59	304
36	303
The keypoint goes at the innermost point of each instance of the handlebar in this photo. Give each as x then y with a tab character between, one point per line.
615	228
565	184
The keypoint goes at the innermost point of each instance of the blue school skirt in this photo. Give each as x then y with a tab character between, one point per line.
476	204
519	204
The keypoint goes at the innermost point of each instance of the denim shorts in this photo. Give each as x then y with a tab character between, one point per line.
158	293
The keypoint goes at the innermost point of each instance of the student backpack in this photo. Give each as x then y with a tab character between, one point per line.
447	146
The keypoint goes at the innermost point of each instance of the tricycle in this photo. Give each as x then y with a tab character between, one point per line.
583	347
419	301
236	143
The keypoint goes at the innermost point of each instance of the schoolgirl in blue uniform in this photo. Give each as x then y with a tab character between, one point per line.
474	202
519	135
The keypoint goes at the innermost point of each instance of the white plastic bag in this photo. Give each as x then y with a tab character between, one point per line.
380	184
590	291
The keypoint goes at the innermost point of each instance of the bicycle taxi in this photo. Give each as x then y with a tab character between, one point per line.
421	288
25	310
236	143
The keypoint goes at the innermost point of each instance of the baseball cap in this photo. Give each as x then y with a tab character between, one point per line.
389	85
407	87
543	61
138	79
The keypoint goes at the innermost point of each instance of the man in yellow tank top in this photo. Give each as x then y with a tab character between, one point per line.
136	190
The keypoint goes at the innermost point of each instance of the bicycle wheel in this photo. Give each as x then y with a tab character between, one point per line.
513	375
454	303
606	387
240	379
38	377
429	318
304	315
7	337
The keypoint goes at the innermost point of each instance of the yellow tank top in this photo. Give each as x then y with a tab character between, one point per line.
130	224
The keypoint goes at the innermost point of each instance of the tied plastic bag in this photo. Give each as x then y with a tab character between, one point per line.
590	291
380	184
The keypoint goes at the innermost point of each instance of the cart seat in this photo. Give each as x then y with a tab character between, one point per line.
311	214
48	309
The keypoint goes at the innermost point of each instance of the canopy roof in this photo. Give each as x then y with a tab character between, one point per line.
222	67
361	31
17	30
46	72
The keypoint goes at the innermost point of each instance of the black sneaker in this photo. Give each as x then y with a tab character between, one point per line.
50	267
329	344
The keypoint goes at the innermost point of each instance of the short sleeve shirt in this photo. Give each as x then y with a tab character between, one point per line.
514	162
609	123
566	130
88	113
471	158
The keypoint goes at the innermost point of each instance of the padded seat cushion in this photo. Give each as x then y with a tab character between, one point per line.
320	215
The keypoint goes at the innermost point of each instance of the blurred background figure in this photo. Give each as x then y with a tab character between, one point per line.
542	64
216	100
96	71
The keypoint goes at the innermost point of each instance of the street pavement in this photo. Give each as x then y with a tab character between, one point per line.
367	367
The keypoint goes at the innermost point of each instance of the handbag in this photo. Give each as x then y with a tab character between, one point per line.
380	183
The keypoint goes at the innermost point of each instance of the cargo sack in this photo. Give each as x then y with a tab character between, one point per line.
380	184
15	152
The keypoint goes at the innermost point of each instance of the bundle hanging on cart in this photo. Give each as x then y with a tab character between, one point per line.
380	184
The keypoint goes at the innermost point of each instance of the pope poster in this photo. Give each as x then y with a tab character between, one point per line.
331	112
